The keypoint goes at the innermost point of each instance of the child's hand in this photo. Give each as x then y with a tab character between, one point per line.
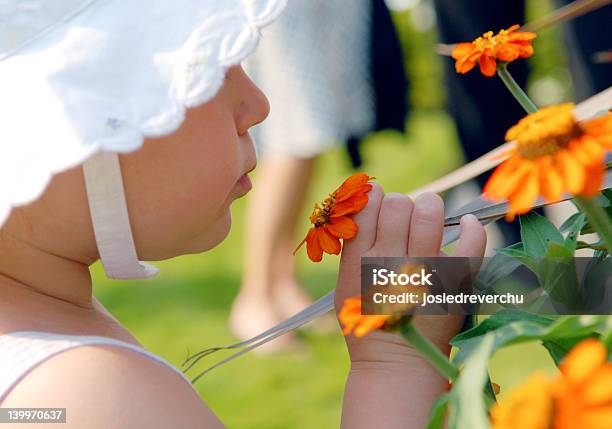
393	225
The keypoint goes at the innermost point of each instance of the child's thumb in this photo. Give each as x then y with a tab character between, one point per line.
367	220
349	278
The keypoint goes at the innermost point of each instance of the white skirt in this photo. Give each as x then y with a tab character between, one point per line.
313	64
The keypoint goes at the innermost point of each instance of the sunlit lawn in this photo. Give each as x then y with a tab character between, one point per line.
186	307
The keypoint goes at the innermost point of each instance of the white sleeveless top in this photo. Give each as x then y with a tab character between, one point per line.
22	351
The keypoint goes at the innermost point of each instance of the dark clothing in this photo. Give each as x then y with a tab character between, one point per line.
389	79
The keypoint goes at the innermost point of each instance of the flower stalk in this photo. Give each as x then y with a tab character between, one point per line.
429	351
598	218
514	88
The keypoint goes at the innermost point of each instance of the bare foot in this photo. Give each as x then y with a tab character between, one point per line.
290	298
250	316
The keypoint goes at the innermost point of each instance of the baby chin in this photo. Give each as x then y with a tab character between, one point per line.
214	234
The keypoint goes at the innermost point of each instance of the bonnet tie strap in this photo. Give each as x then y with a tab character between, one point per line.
111	222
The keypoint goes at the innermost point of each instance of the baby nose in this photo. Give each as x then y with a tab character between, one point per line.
261	105
254	105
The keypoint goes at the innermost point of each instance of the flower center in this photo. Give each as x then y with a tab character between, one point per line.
545	132
486	41
321	214
502	36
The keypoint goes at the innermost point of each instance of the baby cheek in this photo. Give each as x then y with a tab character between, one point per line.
210	191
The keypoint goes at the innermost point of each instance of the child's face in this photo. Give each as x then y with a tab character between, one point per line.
180	187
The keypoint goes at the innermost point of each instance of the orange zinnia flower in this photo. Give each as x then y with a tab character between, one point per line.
580	397
507	45
553	154
331	219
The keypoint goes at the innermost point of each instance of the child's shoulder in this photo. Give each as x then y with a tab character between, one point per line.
107	386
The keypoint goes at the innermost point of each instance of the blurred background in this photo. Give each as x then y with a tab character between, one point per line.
186	308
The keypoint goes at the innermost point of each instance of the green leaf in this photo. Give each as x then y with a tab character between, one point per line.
606	335
521	256
519	331
571	221
574	229
596	278
498	267
556	250
438	412
467	395
498	320
536	233
605	201
557	276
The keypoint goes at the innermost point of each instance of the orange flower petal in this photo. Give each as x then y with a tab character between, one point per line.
513	28
328	242
587	150
353	204
465	64
353	321
522	199
598	418
601	124
551	182
507	53
342	227
313	247
594	180
573	173
369	324
525	51
583	360
488	65
521	36
601	129
351	186
598	390
462	50
506	178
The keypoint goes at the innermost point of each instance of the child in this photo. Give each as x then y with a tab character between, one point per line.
59	347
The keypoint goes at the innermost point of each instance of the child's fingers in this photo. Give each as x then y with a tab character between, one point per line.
366	219
426	226
472	243
473	238
393	225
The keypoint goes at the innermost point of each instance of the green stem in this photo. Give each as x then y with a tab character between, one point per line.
515	89
429	351
594	246
598	218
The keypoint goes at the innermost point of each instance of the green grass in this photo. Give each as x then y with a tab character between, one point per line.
186	307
